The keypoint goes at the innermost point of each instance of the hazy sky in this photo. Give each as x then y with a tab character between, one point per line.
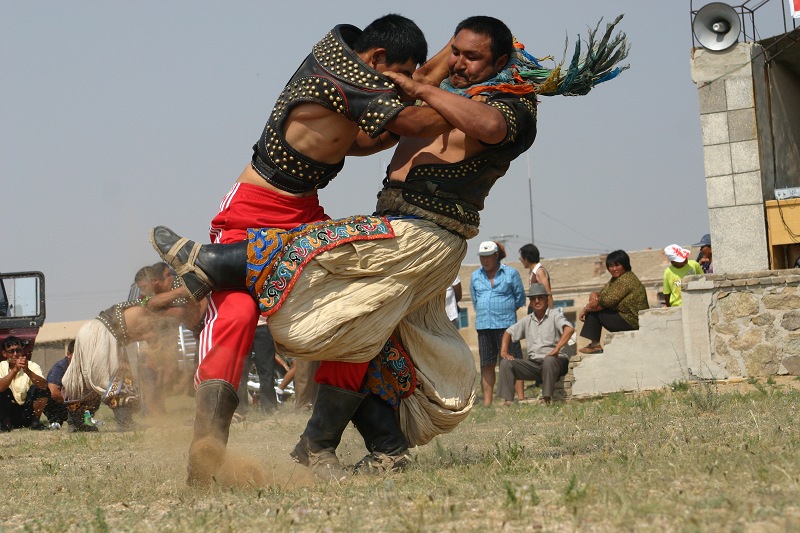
118	116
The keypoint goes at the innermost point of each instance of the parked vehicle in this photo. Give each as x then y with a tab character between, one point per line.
22	306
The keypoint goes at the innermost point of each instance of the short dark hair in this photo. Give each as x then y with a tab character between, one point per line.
158	270
619	257
529	253
71	346
400	36
10	341
495	29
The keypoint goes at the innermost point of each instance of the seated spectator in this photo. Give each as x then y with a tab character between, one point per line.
616	307
704	257
23	389
680	266
56	411
547	332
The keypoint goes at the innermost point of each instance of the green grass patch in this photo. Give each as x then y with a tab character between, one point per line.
689	458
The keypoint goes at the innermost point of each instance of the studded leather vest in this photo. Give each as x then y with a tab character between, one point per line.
456	191
334	77
113	319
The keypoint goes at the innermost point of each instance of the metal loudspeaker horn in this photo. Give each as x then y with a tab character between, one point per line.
716	26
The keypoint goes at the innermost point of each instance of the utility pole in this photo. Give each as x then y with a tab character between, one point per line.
530	192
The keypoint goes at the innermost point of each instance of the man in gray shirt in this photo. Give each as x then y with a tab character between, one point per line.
546	333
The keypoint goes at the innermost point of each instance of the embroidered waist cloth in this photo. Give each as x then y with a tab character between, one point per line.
276	257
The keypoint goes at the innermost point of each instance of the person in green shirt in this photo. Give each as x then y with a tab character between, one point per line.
680	266
616	307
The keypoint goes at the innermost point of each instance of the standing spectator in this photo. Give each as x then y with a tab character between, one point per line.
704	257
530	259
262	354
23	389
616	307
305	388
680	266
497	293
546	333
451	299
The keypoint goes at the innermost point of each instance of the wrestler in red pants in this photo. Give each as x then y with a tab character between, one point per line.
232	315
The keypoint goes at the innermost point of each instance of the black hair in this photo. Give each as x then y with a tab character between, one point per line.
10	341
158	270
495	29
71	346
619	257
400	36
529	253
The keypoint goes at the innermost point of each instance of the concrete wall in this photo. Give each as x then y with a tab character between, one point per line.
733	162
651	358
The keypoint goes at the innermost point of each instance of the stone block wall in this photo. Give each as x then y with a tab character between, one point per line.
754	322
729	95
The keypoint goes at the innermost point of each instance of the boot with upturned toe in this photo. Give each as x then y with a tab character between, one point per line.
202	267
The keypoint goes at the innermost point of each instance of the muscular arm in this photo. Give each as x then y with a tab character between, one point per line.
475	119
55	392
435	69
505	342
413	121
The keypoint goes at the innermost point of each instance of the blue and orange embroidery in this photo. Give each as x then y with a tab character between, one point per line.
276	257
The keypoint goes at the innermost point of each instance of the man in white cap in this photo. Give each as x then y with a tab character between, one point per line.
497	293
547	334
680	266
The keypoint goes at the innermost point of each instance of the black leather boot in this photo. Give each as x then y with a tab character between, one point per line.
215	402
317	447
379	424
202	267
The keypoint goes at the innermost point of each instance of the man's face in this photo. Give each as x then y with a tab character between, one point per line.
539	303
12	354
471	59
164	284
489	262
145	287
406	68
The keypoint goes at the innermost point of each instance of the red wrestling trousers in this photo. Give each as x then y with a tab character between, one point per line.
232	315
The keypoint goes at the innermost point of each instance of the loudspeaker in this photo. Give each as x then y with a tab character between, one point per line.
716	26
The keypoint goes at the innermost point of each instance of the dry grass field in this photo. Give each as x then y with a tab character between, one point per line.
696	458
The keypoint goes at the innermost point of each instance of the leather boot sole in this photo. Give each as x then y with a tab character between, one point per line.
181	253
